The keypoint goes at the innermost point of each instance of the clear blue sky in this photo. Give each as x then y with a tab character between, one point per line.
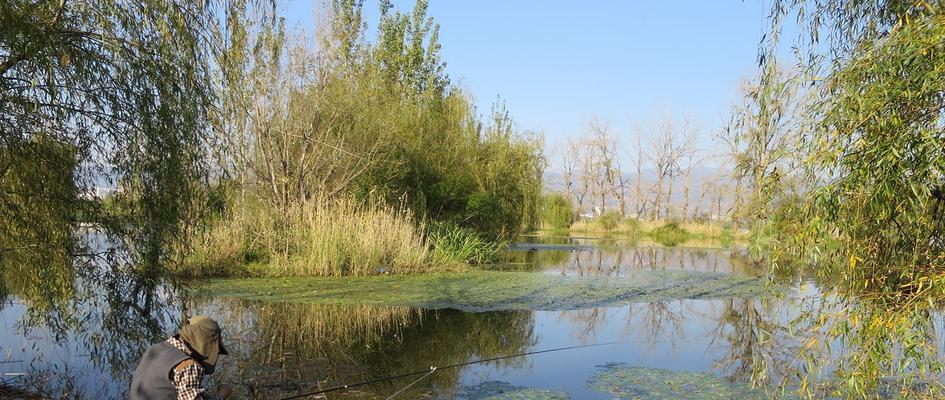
559	63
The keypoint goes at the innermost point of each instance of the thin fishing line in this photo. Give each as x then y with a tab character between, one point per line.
390	378
432	370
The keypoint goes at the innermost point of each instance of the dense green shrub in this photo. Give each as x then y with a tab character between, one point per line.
670	234
557	211
609	220
486	179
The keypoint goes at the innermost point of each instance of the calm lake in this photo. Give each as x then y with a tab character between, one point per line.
704	346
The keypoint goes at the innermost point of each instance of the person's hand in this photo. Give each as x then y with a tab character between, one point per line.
225	391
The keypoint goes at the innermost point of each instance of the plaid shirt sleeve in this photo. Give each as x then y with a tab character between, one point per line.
189	384
189	381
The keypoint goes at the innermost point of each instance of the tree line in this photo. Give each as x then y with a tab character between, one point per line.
654	176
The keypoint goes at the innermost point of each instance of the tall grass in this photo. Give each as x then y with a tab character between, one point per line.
317	238
452	243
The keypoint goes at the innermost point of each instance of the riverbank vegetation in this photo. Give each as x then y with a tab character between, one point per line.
262	138
611	225
358	157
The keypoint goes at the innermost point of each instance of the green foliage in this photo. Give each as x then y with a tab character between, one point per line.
451	244
609	220
873	223
370	122
882	137
484	178
669	234
557	211
408	50
445	163
38	209
125	86
377	119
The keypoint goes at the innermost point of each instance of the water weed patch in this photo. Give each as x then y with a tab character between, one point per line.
625	382
488	290
494	390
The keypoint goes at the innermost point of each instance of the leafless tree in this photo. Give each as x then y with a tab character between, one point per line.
592	161
709	188
693	160
581	165
638	161
667	145
603	148
568	164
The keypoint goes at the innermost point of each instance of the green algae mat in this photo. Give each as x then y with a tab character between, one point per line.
635	383
624	382
494	390
488	290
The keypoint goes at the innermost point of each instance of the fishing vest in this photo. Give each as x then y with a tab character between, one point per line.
153	379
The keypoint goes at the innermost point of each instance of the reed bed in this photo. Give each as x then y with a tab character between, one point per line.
318	238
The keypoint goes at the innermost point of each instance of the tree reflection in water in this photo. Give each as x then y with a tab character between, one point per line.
750	339
92	310
619	261
759	346
283	349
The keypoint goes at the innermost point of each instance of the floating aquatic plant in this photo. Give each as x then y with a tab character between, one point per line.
627	382
490	290
495	390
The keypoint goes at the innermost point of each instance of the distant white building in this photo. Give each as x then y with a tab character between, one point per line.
595	212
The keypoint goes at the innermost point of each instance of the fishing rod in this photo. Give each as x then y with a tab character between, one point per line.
434	369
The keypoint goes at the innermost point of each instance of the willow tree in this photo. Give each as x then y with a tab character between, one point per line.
878	140
876	157
122	90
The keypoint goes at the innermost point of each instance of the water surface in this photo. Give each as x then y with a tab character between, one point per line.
281	349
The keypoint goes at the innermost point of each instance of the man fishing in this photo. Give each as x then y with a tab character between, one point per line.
176	368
